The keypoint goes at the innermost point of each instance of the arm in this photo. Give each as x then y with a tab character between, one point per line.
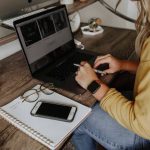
133	115
130	66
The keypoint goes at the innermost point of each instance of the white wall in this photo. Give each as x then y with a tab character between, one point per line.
109	19
9	49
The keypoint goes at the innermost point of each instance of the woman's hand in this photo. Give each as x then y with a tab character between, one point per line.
85	75
114	63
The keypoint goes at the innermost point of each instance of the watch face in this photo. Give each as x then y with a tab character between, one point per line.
74	21
93	87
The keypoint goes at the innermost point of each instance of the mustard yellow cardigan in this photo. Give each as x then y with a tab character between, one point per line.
133	115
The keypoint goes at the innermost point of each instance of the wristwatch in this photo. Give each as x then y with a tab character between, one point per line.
93	86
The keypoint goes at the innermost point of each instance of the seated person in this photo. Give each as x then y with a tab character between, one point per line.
116	122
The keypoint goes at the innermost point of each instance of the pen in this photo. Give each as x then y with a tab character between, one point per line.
97	71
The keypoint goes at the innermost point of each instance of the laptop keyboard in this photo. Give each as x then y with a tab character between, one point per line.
67	68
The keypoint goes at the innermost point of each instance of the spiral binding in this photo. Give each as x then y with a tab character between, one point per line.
34	134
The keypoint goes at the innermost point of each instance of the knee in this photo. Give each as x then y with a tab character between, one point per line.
80	130
76	136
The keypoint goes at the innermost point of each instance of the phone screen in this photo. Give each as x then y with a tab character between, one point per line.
54	110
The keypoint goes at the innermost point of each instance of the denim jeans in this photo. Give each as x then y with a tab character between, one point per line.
100	128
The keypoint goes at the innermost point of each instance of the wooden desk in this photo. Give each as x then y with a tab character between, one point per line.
15	79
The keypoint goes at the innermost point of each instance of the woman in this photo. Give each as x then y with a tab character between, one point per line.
116	122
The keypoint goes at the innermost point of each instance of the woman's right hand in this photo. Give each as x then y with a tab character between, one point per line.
114	63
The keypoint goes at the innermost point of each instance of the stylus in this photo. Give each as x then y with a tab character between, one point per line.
97	71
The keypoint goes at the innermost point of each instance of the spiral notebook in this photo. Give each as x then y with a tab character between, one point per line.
51	133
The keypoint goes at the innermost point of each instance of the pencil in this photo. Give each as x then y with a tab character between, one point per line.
97	71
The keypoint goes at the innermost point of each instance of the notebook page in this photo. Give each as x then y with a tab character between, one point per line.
54	130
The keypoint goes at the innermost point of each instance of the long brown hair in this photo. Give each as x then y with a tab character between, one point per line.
142	24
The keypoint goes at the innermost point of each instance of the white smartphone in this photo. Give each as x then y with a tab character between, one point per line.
54	111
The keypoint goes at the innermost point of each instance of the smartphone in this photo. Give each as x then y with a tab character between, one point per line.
54	111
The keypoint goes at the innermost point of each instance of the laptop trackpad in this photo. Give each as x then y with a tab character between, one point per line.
73	86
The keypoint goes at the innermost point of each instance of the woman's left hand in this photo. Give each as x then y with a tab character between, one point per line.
85	75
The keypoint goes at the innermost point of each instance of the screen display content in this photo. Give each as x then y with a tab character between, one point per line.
46	38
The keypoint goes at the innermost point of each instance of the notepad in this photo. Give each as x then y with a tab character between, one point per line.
50	133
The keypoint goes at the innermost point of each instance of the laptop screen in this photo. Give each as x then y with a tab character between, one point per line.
45	37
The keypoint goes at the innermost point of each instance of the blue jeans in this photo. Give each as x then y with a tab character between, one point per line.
100	128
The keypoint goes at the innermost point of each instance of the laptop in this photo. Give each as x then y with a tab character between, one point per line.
49	48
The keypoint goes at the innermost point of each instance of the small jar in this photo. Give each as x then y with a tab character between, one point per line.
94	23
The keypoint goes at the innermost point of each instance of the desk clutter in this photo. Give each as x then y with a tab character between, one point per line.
49	132
93	28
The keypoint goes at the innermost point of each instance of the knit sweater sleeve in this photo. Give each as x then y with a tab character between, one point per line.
133	115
